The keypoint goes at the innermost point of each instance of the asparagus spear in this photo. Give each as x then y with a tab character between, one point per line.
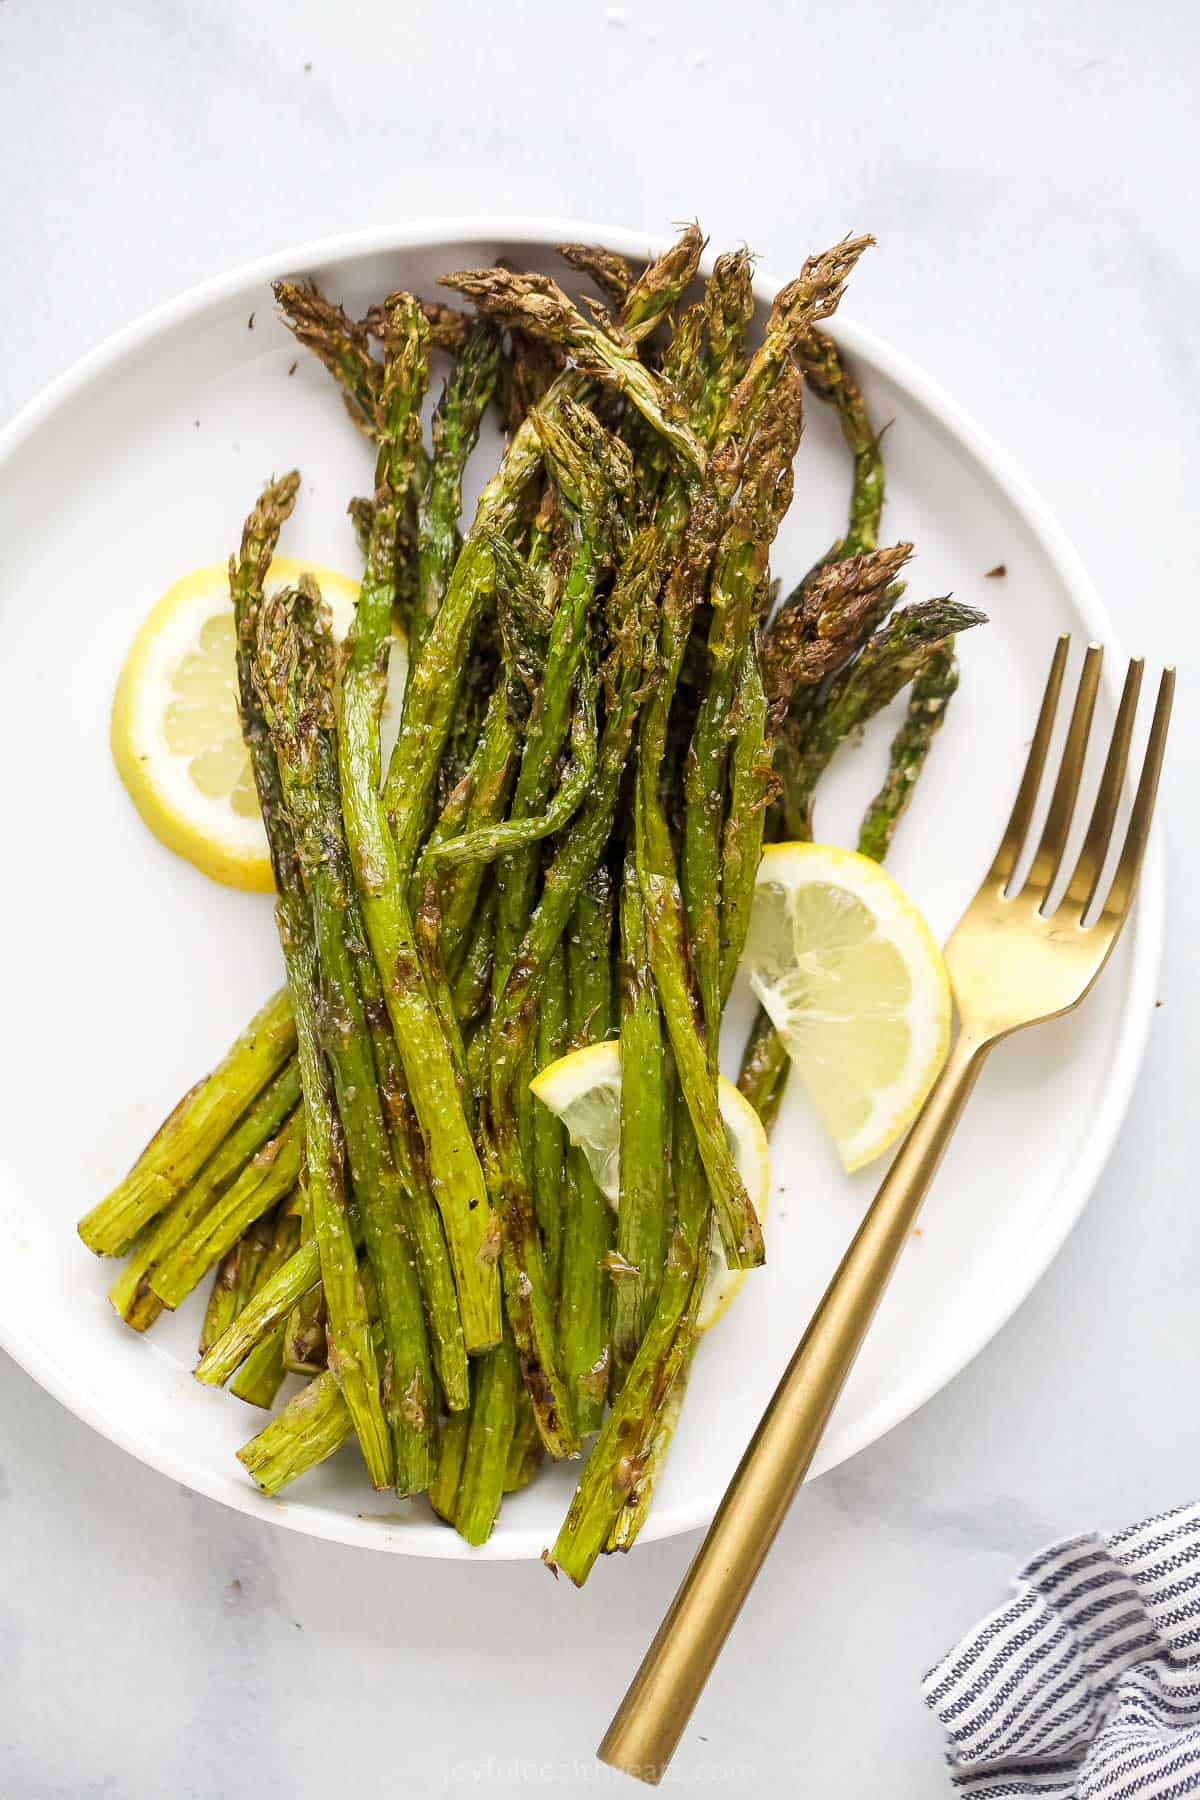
448	328
587	1228
932	692
452	1448
611	273
763	1074
489	1437
341	344
539	305
351	1351
831	381
133	1294
295	670
234	1282
196	1128
633	1513
817	631
525	1452
456	424
455	1175
305	1341
611	1473
421	1218
728	310
269	1308
270	1173
594	474
642	1223
738	575
889	661
485	843
751	782
549	1137
310	1428
258	1380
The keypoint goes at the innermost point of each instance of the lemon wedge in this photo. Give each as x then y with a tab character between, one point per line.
175	734
583	1089
855	985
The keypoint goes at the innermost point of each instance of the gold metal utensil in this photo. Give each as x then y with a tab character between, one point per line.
1016	958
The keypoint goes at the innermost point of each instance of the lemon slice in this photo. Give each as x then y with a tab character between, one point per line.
584	1091
856	987
175	734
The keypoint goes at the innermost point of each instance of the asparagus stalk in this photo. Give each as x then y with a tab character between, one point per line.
831	381
421	1218
549	1136
587	1228
642	1223
350	1347
305	1341
258	1380
764	1070
594	475
611	1473
196	1128
456	424
313	1425
269	1307
133	1293
452	1448
234	1283
341	344
728	310
738	575
610	272
485	843
525	1452
932	692
816	632
493	1417
271	1172
751	782
455	1175
889	661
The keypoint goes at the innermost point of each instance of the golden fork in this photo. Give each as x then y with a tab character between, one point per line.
1016	958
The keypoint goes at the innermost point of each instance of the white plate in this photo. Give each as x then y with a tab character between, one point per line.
127	972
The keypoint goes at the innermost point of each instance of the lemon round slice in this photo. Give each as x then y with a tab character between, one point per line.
175	734
856	987
584	1091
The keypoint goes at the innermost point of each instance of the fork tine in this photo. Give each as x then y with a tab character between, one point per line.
1090	866
1125	880
1018	824
1048	860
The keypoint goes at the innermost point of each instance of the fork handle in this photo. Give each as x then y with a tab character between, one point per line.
651	1718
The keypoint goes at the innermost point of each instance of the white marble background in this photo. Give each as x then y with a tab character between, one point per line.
1031	172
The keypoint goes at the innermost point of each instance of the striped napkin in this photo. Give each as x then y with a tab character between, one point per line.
1087	1683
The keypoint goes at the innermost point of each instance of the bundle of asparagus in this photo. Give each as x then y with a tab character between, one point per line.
599	725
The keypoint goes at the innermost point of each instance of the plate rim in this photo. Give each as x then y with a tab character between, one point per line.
1146	928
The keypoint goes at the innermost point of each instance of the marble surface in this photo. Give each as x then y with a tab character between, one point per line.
1030	172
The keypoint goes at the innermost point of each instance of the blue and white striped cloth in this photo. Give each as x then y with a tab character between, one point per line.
1087	1683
